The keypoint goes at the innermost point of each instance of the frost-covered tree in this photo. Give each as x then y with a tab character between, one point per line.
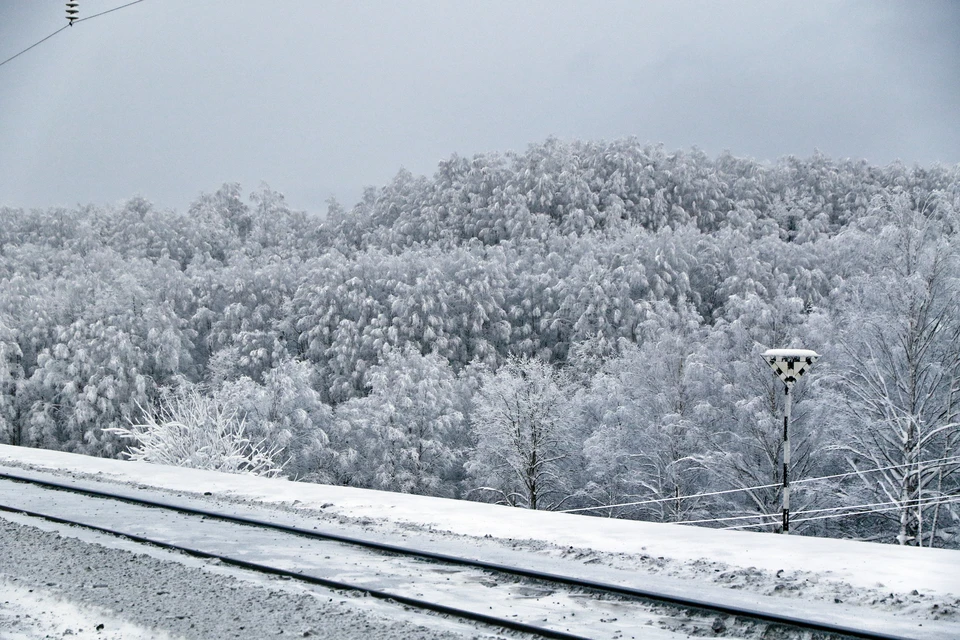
744	440
285	411
11	381
237	317
899	391
642	411
584	255
116	347
408	434
525	446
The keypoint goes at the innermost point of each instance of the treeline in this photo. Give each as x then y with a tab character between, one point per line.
575	326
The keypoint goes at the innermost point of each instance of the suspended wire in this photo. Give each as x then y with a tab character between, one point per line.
96	15
949	499
33	45
941	461
924	503
656	500
898	505
727	518
752	525
904	503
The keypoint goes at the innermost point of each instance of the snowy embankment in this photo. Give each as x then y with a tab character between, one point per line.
837	580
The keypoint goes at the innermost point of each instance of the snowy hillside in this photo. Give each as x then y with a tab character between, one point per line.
616	295
895	588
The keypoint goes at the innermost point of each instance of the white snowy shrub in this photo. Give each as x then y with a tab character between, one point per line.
191	430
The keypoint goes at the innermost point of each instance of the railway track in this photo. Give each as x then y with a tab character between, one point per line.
404	562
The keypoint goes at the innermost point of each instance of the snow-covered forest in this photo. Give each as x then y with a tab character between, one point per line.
572	327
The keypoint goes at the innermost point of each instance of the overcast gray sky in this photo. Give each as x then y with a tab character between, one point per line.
170	98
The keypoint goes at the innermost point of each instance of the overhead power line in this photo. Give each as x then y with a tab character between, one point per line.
39	42
948	499
670	499
728	518
936	462
899	503
102	13
853	510
919	463
34	45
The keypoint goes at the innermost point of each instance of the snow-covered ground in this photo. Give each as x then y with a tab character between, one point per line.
900	590
60	581
29	612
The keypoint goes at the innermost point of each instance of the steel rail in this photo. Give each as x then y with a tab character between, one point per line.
324	582
593	585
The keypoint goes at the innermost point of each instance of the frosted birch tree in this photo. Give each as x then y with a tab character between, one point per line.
286	411
11	378
642	415
525	446
900	390
408	434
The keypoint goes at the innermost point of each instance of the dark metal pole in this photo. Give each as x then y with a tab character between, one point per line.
786	460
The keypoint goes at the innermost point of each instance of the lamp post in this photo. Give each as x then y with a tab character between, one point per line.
789	365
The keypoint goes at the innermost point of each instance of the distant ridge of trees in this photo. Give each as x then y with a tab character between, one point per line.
372	347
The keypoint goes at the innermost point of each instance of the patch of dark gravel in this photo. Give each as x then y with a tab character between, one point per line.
187	601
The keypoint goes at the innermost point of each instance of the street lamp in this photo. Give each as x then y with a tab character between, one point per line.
789	365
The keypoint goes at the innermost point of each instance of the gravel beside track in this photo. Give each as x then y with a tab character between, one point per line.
296	505
182	601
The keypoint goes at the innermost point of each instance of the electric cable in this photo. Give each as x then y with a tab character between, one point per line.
949	499
33	45
941	461
96	15
915	501
735	527
925	503
671	498
727	518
